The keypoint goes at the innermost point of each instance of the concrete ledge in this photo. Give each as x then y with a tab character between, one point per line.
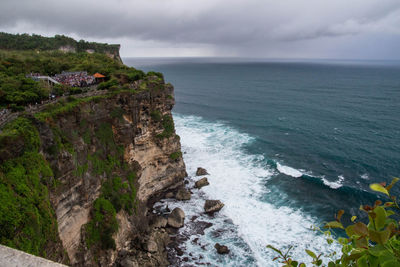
10	257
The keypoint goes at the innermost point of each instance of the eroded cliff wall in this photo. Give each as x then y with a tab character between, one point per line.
110	156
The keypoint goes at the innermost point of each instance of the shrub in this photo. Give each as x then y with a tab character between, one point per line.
75	90
156	115
108	84
176	155
168	125
103	225
154	73
374	244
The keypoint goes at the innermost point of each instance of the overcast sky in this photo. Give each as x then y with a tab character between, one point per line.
344	29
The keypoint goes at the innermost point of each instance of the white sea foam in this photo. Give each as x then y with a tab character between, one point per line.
334	184
288	170
365	176
238	180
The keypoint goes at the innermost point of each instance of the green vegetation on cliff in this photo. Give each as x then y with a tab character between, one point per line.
103	224
27	220
168	125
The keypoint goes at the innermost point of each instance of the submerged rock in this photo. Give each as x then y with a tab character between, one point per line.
201	171
176	218
212	206
200	183
183	194
221	249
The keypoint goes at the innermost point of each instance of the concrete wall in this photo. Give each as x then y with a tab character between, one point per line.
10	257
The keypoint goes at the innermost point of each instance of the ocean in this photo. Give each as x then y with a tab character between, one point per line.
287	144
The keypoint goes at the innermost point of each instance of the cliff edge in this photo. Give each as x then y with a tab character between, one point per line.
85	170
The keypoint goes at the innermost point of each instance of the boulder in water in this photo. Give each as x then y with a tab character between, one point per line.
201	171
183	194
212	206
221	249
176	218
200	183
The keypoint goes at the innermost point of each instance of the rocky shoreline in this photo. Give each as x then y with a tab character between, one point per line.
163	246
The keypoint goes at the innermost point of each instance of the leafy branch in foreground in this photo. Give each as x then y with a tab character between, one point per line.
376	244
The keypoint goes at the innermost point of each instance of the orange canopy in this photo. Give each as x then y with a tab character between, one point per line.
98	75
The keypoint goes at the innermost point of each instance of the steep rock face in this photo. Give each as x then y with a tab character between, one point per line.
129	134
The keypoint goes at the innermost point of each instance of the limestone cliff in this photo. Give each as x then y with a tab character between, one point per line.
111	157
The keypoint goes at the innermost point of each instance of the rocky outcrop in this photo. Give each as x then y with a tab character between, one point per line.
200	183
159	222
183	194
177	218
221	249
211	206
201	171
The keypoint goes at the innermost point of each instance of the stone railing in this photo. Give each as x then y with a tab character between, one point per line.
15	258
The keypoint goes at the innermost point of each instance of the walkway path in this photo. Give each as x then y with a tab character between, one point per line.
7	116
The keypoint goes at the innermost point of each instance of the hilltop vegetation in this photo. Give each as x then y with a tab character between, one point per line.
17	91
36	42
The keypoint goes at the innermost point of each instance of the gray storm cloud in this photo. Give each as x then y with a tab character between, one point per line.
252	27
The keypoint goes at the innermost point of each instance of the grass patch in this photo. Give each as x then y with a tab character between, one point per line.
168	125
156	115
175	155
103	225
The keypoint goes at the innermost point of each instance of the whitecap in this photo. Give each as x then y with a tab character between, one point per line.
288	170
334	184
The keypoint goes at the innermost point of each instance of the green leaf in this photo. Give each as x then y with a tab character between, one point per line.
362	262
377	250
380	237
275	249
334	224
379	188
311	254
391	263
353	218
295	263
360	229
350	230
380	219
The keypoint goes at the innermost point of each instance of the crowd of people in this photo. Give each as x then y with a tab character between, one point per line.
75	79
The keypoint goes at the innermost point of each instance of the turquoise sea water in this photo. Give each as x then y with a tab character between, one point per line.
286	143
